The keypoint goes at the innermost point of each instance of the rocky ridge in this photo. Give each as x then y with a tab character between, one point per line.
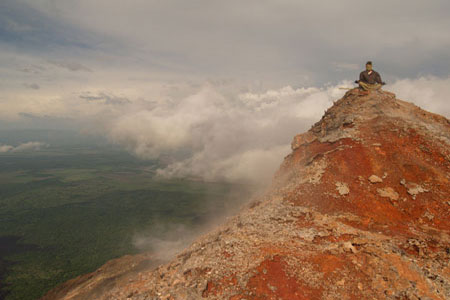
359	210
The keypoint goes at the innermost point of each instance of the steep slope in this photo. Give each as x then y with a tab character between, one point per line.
358	210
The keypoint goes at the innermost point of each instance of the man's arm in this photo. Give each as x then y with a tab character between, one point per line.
378	78
361	77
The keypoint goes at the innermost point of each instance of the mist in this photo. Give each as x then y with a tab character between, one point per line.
165	239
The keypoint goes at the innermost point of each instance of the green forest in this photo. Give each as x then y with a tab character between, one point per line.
67	209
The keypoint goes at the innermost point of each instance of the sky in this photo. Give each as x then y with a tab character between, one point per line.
220	87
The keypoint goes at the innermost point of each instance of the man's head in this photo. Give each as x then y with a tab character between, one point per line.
369	66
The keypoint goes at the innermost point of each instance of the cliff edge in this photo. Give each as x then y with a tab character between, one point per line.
359	210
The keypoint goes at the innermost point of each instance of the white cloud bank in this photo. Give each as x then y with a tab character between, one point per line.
29	146
430	93
245	136
214	130
216	136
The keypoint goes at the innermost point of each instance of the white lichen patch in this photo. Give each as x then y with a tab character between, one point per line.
342	188
315	171
416	189
413	188
428	215
388	192
375	179
348	247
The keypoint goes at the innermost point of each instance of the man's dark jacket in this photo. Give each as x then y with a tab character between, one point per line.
374	77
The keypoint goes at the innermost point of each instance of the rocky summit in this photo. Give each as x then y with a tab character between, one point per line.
359	210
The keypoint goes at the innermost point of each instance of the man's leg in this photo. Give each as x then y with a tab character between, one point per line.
376	86
369	87
364	86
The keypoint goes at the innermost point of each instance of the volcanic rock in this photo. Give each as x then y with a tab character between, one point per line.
323	231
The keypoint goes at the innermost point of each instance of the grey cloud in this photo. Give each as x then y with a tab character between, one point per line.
30	29
33	69
104	98
28	146
48	118
37	121
71	66
342	66
280	42
12	25
32	86
27	115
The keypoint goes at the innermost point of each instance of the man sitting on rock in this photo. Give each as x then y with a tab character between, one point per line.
369	80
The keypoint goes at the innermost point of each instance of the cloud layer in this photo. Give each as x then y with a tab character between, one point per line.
28	146
430	93
216	130
215	136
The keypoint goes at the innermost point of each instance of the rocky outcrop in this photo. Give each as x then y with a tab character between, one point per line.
359	210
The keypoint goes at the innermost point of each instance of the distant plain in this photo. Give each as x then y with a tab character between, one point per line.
71	206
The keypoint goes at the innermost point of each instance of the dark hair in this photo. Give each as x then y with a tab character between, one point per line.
369	63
